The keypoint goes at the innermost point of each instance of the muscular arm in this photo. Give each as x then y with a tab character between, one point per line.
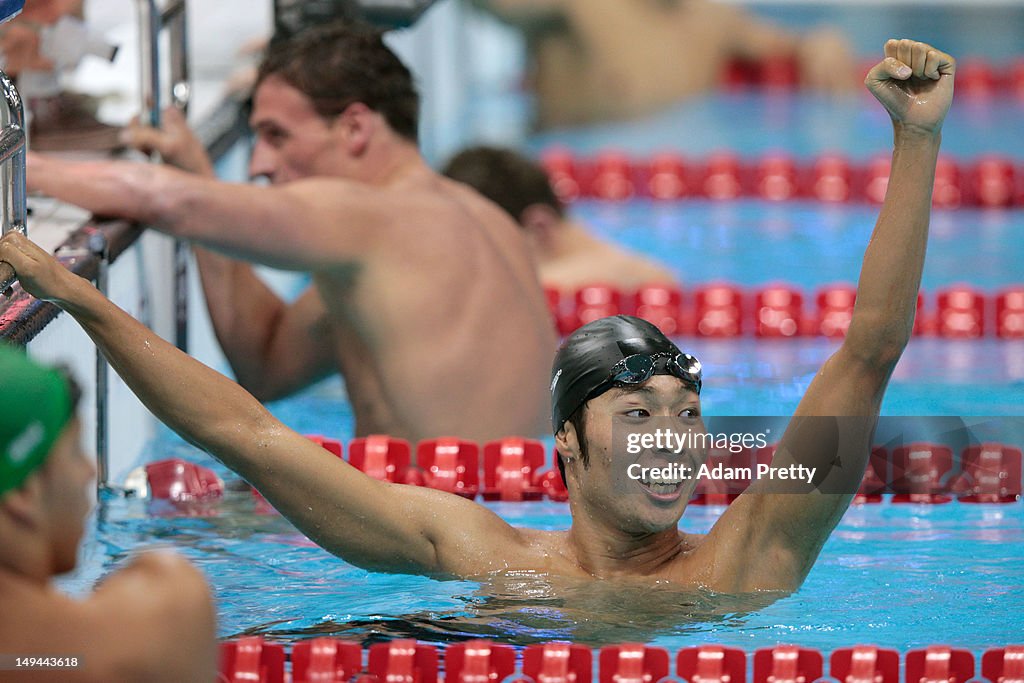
274	348
779	532
306	225
369	523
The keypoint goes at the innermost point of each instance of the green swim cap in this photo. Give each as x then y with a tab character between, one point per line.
35	406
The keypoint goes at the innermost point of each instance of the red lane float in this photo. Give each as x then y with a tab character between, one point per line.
511	469
180	481
919	472
779	311
787	664
613	177
1010	313
251	659
326	660
961	312
661	306
1004	664
382	457
451	465
558	663
718	310
990	473
989	181
632	663
724	310
403	661
835	310
329	660
939	664
865	664
668	177
479	661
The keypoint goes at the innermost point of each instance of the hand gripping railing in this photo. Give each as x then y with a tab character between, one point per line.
12	167
153	21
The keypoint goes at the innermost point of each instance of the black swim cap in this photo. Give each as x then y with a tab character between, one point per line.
585	359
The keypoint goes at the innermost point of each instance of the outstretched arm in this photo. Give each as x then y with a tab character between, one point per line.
781	533
310	224
369	523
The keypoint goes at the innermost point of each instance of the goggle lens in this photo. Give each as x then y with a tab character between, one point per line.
639	368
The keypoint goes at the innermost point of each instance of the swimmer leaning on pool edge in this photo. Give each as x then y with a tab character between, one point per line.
764	540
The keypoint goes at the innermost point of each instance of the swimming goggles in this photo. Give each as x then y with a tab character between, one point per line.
640	367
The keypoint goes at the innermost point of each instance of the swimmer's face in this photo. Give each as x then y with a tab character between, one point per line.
67	478
603	489
292	140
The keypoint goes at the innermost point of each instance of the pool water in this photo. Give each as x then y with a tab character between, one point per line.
893	575
805	126
896	576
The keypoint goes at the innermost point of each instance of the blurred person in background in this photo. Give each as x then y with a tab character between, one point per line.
598	60
46	40
568	255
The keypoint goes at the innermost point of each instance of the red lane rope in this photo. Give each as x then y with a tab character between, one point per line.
990	181
251	658
780	310
976	79
512	470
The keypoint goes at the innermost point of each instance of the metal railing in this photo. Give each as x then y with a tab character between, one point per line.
12	167
153	21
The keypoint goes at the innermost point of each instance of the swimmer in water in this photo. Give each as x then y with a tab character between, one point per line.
138	622
568	256
621	366
412	273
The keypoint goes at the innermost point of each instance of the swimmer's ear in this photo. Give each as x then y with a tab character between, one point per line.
356	125
25	503
567	442
539	218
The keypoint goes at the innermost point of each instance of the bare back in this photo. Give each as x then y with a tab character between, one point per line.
443	330
616	59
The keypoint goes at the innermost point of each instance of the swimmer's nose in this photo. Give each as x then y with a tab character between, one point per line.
263	162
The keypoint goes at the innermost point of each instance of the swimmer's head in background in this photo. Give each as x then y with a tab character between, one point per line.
509	179
36	404
614	351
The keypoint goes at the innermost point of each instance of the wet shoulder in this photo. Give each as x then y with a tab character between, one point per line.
550	553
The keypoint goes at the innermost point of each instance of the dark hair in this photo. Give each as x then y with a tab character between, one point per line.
579	422
343	63
507	178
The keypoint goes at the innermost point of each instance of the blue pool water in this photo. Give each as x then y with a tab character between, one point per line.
806	126
896	576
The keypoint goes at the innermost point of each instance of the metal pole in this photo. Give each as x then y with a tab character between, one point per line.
12	167
152	22
149	61
97	244
175	20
